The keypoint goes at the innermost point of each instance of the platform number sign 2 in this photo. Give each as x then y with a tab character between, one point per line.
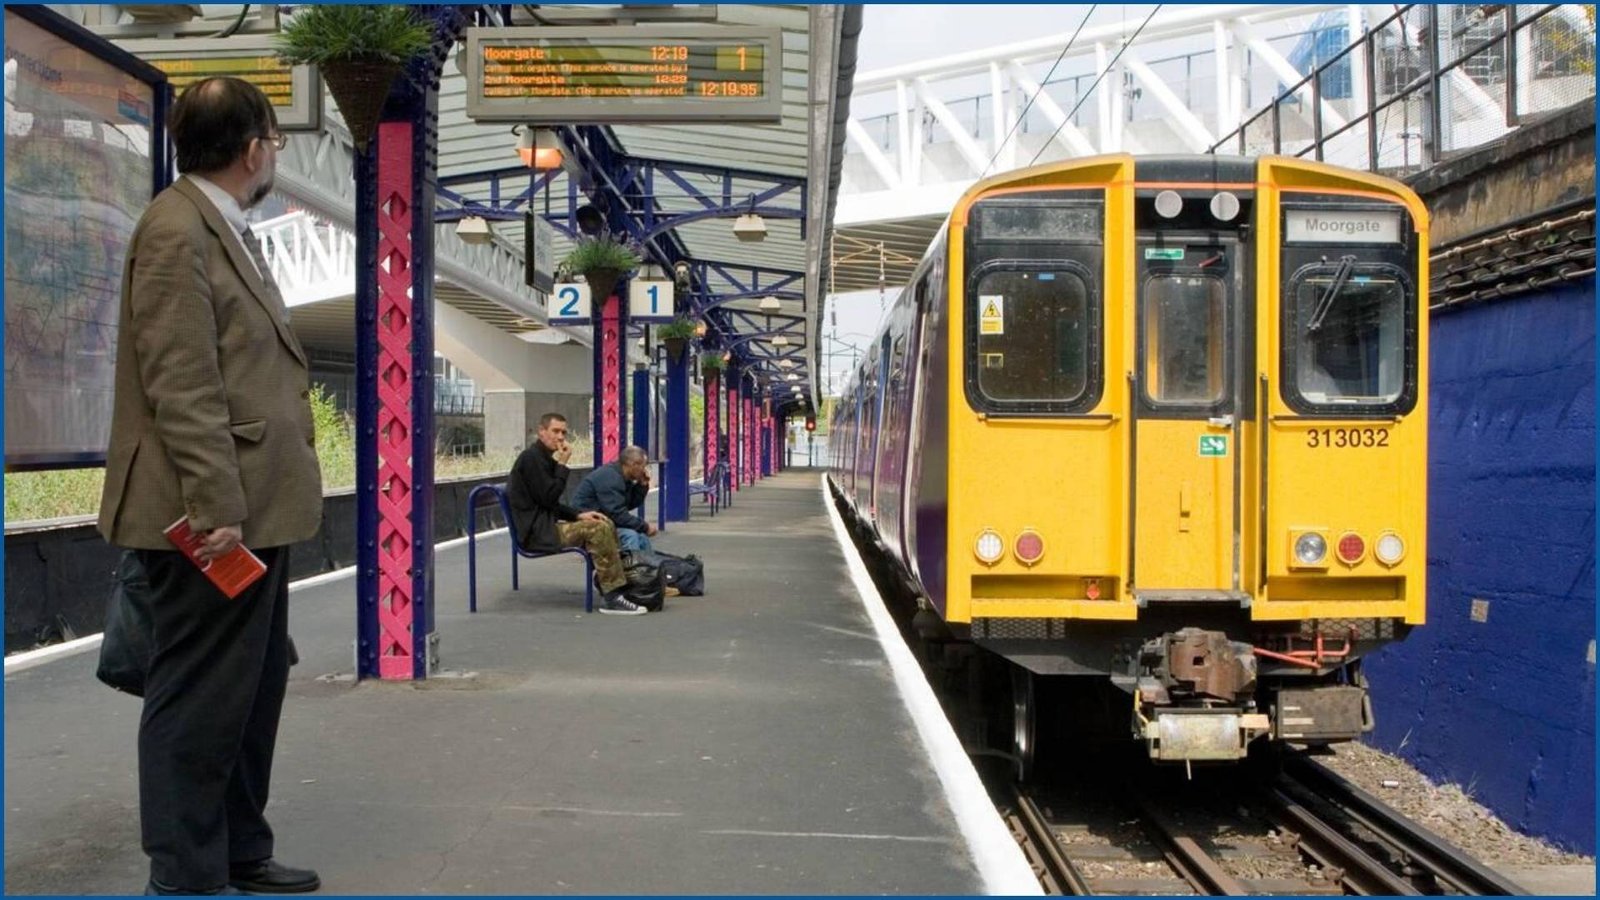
569	304
651	301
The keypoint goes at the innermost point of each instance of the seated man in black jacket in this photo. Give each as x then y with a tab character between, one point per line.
544	524
617	489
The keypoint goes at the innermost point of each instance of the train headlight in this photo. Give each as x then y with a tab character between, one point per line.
1225	206
1352	548
1169	204
989	547
1030	547
1310	551
1390	549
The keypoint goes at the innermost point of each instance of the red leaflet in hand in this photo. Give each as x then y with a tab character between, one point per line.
231	572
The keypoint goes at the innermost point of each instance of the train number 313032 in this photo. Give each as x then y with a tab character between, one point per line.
1347	437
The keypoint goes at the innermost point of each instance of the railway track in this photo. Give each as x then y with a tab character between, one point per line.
1301	830
1305	832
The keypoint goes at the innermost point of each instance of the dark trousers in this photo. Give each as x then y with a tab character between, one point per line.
217	678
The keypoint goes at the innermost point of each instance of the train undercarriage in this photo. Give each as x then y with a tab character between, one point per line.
1192	694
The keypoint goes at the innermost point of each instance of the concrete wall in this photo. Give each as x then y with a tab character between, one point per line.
510	418
58	575
1543	165
1496	692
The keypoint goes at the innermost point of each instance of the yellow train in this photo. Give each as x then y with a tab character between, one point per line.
1160	421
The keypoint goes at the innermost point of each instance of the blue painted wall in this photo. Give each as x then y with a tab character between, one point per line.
1505	707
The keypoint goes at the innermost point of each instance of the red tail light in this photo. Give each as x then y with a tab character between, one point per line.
1029	547
1352	548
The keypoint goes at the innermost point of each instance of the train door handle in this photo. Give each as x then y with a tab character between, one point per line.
1220	421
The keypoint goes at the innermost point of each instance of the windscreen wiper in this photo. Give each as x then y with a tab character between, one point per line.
1325	302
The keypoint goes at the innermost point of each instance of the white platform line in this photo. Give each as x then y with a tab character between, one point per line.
995	853
22	662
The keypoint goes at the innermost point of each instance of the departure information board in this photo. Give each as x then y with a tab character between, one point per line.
626	73
295	91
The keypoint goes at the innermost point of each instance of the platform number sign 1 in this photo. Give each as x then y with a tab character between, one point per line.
1213	445
650	301
569	303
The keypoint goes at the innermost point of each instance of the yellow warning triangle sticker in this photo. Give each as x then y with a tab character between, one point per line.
990	312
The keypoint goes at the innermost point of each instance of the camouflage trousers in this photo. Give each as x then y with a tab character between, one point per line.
600	539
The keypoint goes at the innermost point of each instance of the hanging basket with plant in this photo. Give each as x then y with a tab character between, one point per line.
602	261
711	363
359	51
675	335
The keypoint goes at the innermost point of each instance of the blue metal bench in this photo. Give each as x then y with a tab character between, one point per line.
499	491
714	487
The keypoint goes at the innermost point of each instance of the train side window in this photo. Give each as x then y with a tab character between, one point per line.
1185	335
1032	336
1349	325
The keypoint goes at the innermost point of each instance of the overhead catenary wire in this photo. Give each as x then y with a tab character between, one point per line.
1023	116
1099	78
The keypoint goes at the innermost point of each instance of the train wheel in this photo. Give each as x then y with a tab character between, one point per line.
1024	721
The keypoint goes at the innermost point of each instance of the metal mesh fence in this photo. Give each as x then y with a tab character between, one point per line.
1429	82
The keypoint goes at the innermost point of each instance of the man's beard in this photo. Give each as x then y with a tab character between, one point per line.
259	193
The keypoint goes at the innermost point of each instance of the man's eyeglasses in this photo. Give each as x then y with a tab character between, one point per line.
278	141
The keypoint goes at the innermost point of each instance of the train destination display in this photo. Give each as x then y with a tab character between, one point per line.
624	74
295	91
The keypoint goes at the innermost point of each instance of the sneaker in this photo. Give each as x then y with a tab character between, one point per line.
619	605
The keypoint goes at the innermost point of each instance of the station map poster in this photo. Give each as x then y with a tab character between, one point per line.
78	174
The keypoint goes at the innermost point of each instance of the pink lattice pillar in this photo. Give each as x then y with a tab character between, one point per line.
395	613
753	461
608	389
713	399
735	448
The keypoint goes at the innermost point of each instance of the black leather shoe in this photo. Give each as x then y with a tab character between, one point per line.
268	876
156	889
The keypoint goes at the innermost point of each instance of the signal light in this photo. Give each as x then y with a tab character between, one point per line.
989	547
1352	549
811	423
1029	547
1390	549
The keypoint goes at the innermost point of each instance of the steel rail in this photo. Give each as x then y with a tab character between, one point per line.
1058	867
1445	861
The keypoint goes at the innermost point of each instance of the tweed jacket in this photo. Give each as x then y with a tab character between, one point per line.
212	416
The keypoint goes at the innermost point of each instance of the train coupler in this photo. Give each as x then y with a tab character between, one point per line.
1201	735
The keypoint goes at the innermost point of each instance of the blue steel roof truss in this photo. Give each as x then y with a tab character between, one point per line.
623	188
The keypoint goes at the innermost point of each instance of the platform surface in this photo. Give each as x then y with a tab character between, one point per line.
748	741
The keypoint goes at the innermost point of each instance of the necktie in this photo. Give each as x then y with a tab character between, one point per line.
253	247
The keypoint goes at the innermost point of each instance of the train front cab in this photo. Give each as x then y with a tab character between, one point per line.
1196	388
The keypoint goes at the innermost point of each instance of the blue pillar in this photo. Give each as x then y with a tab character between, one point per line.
641	406
675	490
766	446
366	302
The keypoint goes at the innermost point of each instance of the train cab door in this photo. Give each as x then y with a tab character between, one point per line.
880	400
1190	344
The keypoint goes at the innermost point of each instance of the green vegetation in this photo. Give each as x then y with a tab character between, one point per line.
711	361
320	34
677	329
76	492
600	253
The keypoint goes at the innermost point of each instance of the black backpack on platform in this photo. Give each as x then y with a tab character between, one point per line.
686	573
646	586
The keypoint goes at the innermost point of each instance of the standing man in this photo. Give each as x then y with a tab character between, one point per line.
212	422
543	524
617	489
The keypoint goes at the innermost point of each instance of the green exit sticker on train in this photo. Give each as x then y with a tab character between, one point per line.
1213	445
1172	253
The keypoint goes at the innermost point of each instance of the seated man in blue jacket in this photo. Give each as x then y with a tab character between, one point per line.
616	490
